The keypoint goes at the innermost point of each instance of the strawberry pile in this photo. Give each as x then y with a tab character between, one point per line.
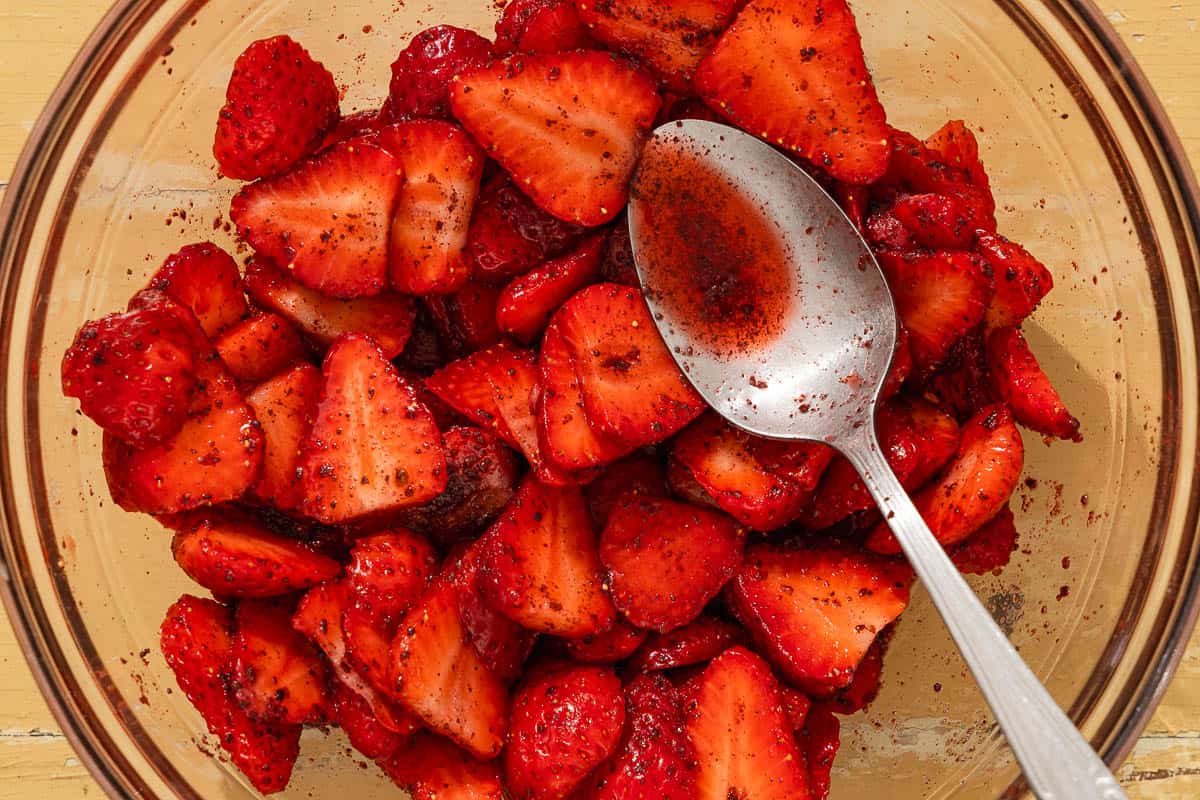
444	481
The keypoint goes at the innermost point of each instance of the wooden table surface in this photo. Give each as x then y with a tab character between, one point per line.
38	39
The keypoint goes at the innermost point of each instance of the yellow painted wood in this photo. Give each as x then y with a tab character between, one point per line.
38	39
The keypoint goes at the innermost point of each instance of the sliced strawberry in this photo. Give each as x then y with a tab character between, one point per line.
261	347
206	279
373	448
962	386
578	168
542	569
526	304
197	642
566	720
684	486
816	612
509	235
863	689
616	263
639	474
353	715
902	364
387	318
792	72
388	571
353	126
233	556
853	198
698	642
974	488
423	71
801	464
917	168
670	38
666	560
369	644
821	738
884	231
327	220
442	169
438	674
742	737
466	319
957	145
540	26
631	386
941	221
284	407
607	647
278	106
501	643
989	548
1020	381
431	768
1021	281
796	705
278	676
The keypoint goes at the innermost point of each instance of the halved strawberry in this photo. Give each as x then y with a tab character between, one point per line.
578	167
231	555
541	566
369	644
742	737
955	142
442	168
373	448
701	640
915	167
430	768
989	548
353	126
438	674
1020	280
278	676
423	71
197	642
607	647
206	279
1021	382
540	26
509	235
792	72
566	720
353	715
863	689
974	488
261	347
815	612
670	38
820	740
796	704
639	474
666	560
278	106
942	221
387	318
632	388
388	571
501	643
466	319
327	220
526	305
284	407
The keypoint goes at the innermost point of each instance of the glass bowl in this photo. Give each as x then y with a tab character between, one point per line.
1100	599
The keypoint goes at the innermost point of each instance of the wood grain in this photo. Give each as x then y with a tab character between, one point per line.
37	40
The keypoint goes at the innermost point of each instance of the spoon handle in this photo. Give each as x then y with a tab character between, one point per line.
1058	763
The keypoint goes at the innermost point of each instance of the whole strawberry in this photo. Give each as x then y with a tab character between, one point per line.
279	105
421	74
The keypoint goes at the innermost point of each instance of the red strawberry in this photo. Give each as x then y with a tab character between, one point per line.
540	26
541	566
278	675
816	612
942	221
442	168
388	571
820	739
989	548
956	144
431	768
616	263
422	73
974	488
526	304
608	647
438	674
566	721
579	168
792	72
854	199
354	716
915	167
387	318
205	279
962	386
501	643
327	220
864	687
278	106
284	407
742	737
373	448
369	644
701	640
1020	382
1020	280
233	556
353	126
902	364
260	348
638	474
135	374
631	386
666	560
196	640
884	231
670	38
509	235
466	320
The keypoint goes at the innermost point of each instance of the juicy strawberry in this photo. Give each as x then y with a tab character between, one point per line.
579	168
442	169
387	318
233	556
1021	382
956	144
670	38
864	687
540	26
284	407
631	386
509	235
916	168
388	571
206	279
423	72
526	304
941	221
278	676
373	448
666	560
369	643
431	768
328	219
501	643
438	674
961	387
816	612
974	488
821	738
353	126
1020	280
354	716
542	569
466	320
639	474
701	640
197	642
260	348
792	71
278	106
742	737
989	548
884	231
902	364
853	198
566	721
134	374
608	647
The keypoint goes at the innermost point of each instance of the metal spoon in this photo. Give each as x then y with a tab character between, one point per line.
830	353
